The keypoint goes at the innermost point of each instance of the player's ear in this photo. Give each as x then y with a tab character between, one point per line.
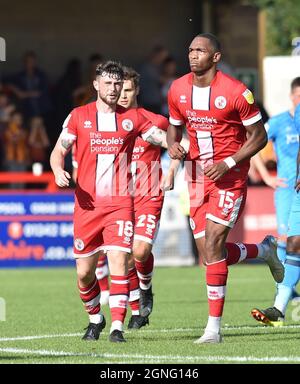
96	85
217	57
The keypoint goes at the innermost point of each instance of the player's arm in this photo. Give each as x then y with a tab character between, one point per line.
57	160
272	181
177	146
175	130
167	183
156	136
257	139
168	180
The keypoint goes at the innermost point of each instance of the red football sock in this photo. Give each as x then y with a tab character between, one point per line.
237	252
118	297
90	297
216	278
145	271
134	292
102	273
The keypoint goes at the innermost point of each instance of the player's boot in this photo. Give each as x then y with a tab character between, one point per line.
137	322
104	298
116	336
209	337
146	302
270	257
93	331
270	316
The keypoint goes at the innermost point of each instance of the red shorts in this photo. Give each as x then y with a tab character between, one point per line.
147	215
221	202
102	229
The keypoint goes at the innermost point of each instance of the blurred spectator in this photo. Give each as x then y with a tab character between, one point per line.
86	93
226	68
150	85
168	75
6	108
66	85
31	88
38	141
16	146
267	154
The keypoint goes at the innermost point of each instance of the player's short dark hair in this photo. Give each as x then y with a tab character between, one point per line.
111	68
213	40
133	75
295	83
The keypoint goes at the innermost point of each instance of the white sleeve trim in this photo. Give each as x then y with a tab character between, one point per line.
252	120
65	124
66	135
175	122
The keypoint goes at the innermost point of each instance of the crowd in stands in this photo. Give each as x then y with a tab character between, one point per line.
32	110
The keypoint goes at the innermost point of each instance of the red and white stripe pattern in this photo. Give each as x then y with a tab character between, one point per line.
237	252
90	297
118	298
134	291
145	271
102	273
216	278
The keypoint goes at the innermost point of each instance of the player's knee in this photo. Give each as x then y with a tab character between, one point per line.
213	243
130	261
141	252
293	245
85	276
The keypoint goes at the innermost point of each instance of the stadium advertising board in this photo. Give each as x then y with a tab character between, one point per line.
36	229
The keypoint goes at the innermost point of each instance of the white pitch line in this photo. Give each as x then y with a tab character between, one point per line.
37	337
226	328
139	357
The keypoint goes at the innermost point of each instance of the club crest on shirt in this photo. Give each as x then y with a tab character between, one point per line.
248	96
78	244
127	125
220	102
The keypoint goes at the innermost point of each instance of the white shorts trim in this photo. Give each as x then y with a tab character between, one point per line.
218	220
104	248
199	235
116	248
83	255
143	238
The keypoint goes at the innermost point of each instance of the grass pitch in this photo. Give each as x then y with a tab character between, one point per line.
45	321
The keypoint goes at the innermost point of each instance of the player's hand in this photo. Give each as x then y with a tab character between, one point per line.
167	183
216	171
297	185
62	178
176	151
275	182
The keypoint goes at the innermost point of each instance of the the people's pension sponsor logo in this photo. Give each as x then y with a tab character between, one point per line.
100	144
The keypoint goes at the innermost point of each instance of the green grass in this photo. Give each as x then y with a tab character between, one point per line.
46	302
